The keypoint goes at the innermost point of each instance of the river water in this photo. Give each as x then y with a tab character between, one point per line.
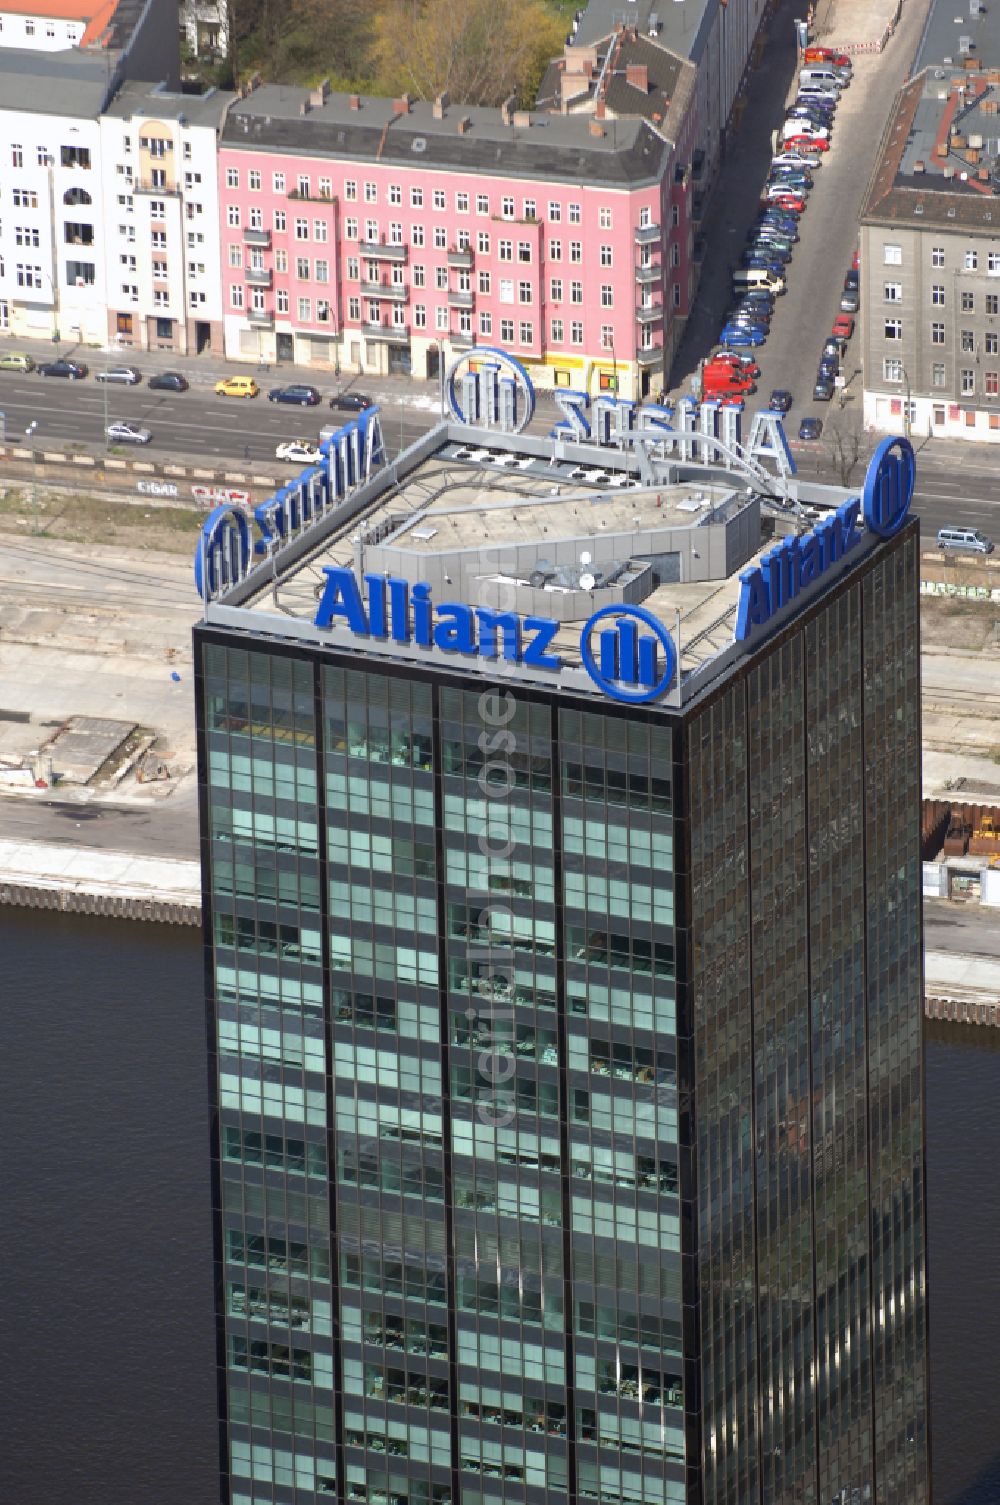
107	1385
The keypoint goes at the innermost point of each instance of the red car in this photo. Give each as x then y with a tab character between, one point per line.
806	144
743	363
843	326
826	55
856	261
785	201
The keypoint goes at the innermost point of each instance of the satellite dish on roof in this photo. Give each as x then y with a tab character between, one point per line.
585	557
587	582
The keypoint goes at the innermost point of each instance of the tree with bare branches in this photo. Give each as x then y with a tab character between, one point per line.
847	440
476	51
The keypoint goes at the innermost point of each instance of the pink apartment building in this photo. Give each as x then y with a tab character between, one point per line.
371	235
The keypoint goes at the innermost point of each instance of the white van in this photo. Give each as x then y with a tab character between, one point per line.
969	539
754	278
821	73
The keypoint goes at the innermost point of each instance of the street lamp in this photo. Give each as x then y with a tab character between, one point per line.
906	406
34	476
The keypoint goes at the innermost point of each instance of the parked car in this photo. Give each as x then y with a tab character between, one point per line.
780	400
778	219
783	199
305	396
835	346
237	386
790	180
818	94
742	334
72	370
852	281
794	126
351	402
807	143
795	159
298	452
843	324
168	381
826	55
829	364
121	432
823	389
14	360
810	428
850	300
744	363
124	376
968	539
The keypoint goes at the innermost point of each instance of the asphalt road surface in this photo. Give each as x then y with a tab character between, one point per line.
967	928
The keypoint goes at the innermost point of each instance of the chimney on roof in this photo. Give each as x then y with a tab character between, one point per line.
637	74
507	109
440	105
463	124
920	166
522	119
600	109
354	101
402	105
596	128
318	96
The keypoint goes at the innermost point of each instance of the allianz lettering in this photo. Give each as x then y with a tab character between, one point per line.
794	564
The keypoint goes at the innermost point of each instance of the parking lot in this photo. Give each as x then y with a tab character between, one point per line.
804	314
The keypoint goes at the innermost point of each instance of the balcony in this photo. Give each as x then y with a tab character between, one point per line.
386	332
651	315
647	235
458	258
651	357
459	341
260	318
252	237
459	299
144	185
646	276
376	251
259	276
385	290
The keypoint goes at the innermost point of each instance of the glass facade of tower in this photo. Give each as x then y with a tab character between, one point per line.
567	1075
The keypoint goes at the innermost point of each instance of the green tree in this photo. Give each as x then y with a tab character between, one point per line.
478	51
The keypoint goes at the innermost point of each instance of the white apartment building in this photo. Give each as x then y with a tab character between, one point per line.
52	272
160	184
51	25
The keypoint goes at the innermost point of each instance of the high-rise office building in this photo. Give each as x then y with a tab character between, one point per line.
562	886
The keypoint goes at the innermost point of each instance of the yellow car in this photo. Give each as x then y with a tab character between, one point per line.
237	386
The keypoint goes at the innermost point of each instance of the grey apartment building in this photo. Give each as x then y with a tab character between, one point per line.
560	823
930	243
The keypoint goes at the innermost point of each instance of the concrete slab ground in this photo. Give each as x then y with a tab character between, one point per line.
854	23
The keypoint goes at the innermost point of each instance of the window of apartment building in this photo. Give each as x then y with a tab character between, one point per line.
525	333
416	198
893	292
441	278
575	214
397	317
354	309
507	212
970	260
419	316
371	193
371	231
254	180
232	177
675	216
305	310
302	185
417	235
419	277
607	295
372	313
937	295
576	332
350	189
937	375
604	219
192	179
158	209
937	334
440	237
29	28
196	268
967	381
892	368
158	240
675	255
320	228
25	235
968	341
256	217
486	323
301	229
606	256
482	203
395	275
505	250
461	203
993	303
607	336
993	263
235	256
130	290
326	188
555	250
556	330
524	250
25	198
353	268
991	383
506	290
507	331
576	250
675	294
485	282
893	329
991	342
321	271
441	321
350	229
16	155
483	243
645	216
556	290
937	256
281	259
395	193
278	182
554	212
236	295
464	240
576	292
233	216
968	302
530	210
125	202
159	268
524	292
127	261
302	268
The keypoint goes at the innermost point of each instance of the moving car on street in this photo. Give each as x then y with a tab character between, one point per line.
780	400
810	428
298	452
122	432
300	393
121	376
237	386
351	402
72	370
168	381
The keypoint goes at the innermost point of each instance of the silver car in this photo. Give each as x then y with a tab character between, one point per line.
123	376
127	433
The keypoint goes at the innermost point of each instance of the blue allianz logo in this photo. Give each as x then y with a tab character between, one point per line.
889	483
629	665
490	388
